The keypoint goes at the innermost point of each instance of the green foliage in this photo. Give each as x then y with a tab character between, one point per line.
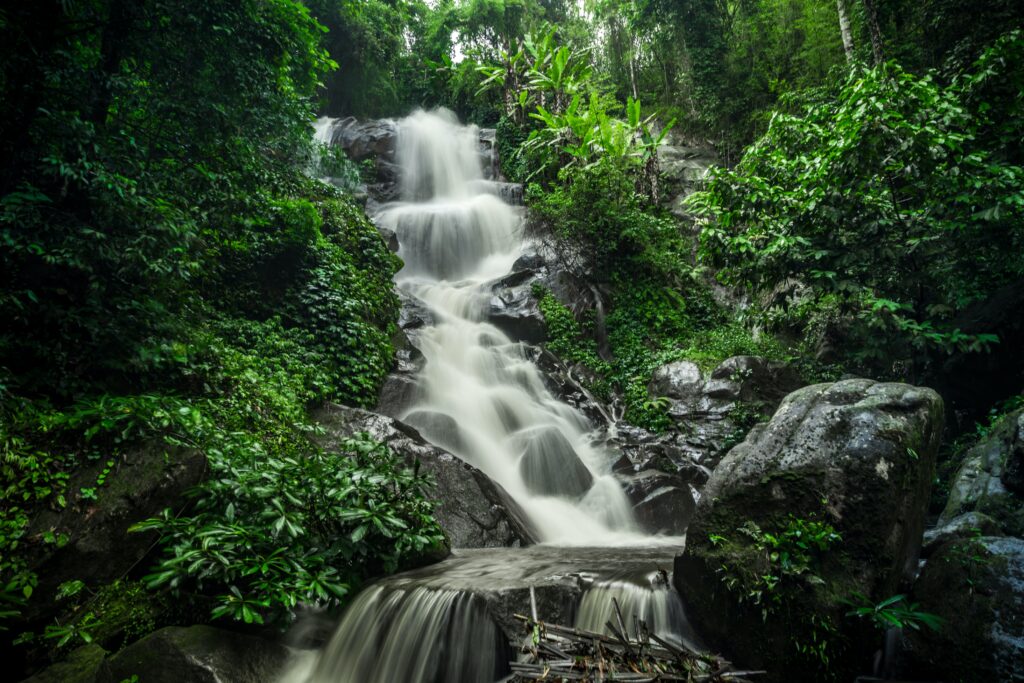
774	570
172	276
889	196
893	612
271	532
788	555
614	227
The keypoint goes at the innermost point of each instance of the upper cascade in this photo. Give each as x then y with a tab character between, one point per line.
438	157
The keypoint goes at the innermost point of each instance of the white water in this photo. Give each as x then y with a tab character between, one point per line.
654	603
483	399
456	238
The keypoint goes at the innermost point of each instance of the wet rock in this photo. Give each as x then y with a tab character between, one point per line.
662	503
553	579
977	588
440	429
666	510
967	525
857	454
566	381
667	453
713	413
549	464
681	380
144	482
197	654
682	169
474	511
390	238
400	389
365	139
514	311
989	471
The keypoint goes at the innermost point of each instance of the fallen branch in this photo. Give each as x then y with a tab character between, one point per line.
563	653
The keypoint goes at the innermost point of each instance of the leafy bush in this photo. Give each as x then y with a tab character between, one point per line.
598	222
893	612
890	195
271	532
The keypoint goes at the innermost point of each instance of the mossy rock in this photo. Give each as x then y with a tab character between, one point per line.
198	654
977	587
81	666
857	455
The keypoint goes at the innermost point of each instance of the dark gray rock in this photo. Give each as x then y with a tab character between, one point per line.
752	378
440	429
967	525
977	587
668	453
365	139
549	464
197	654
474	511
990	468
857	454
1013	472
681	380
666	510
514	311
81	666
144	482
567	382
713	413
400	389
662	503
683	168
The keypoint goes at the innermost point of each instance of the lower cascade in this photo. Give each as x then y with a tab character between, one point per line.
482	398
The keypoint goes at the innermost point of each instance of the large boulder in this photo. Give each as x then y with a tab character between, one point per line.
549	464
197	654
400	389
513	309
976	586
81	666
682	169
989	480
474	511
662	503
968	525
143	482
365	139
713	411
856	455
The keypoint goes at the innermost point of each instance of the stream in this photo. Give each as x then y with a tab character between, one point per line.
483	399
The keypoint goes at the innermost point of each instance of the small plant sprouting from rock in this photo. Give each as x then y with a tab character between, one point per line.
786	554
893	612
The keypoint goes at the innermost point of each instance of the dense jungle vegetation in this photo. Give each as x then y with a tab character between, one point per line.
175	280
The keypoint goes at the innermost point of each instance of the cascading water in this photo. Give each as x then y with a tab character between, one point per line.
648	598
456	239
482	398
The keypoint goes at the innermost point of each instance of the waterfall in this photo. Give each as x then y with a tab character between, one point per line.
414	633
651	600
483	399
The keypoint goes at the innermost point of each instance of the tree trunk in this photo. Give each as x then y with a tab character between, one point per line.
871	14
844	29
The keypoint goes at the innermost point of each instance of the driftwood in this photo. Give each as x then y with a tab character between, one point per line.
561	653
